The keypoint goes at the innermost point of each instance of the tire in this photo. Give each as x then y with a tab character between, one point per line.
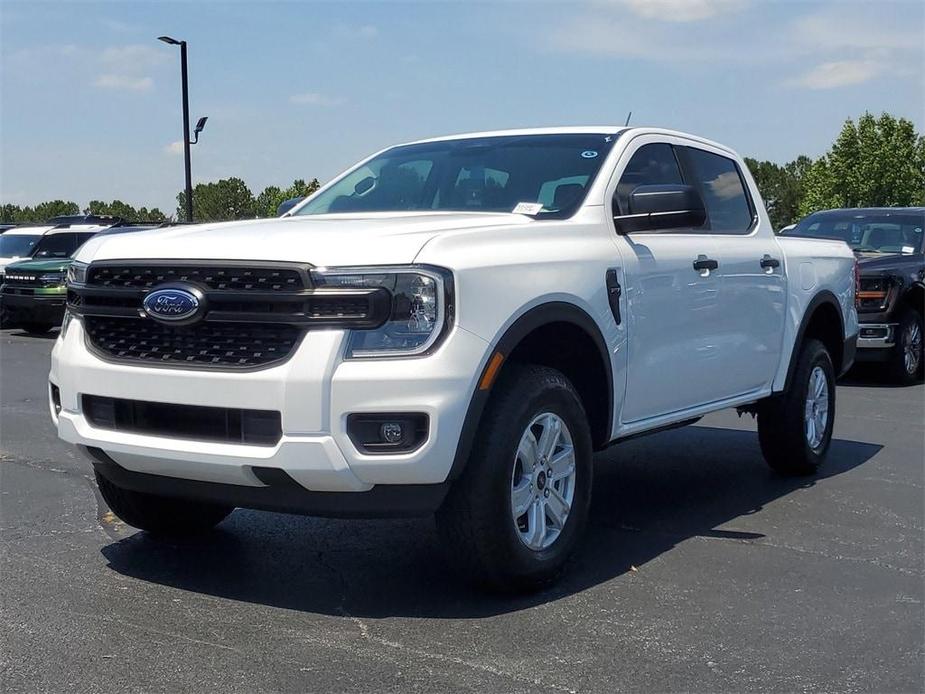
161	515
906	363
787	443
477	521
37	328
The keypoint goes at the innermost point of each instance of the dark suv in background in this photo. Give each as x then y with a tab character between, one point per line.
888	243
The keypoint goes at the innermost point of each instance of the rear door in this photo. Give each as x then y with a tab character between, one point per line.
748	329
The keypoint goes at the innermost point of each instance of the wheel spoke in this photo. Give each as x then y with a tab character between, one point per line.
557	508
552	428
562	464
536	524
521	498
527	450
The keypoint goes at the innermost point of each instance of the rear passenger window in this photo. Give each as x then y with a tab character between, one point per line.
724	195
651	165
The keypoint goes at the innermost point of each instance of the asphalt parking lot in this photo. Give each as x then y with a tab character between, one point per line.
701	571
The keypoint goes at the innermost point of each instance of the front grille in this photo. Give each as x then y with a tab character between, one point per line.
227	425
31	280
222	278
252	315
234	345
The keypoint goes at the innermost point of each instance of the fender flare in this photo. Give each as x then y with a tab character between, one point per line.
823	297
536	317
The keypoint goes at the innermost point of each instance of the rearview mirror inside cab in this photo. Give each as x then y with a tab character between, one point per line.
662	208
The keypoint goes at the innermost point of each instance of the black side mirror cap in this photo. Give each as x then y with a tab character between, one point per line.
287	205
662	208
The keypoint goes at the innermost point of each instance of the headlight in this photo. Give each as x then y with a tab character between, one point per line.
421	308
77	273
52	278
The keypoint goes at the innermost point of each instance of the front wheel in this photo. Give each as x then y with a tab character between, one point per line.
906	362
161	515
795	428
515	515
34	328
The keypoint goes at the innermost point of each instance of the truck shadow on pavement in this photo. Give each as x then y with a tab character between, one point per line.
650	495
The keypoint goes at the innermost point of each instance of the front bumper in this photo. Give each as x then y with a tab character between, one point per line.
314	391
34	306
877	335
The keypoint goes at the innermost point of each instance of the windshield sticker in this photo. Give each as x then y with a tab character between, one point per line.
528	208
908	249
589	154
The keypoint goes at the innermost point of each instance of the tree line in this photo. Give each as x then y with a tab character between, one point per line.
874	162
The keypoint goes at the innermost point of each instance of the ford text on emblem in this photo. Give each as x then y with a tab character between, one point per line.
171	304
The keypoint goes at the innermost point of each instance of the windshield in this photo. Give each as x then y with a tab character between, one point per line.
873	232
61	245
541	175
18	245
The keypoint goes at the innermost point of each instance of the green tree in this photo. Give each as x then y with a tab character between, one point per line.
874	162
222	200
116	208
53	208
273	196
781	187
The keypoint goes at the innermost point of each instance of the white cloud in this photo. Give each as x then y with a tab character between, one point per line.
681	10
124	82
135	57
839	73
316	99
174	148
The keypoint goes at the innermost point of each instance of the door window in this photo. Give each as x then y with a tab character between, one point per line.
729	208
651	165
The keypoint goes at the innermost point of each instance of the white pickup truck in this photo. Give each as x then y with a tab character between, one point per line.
453	326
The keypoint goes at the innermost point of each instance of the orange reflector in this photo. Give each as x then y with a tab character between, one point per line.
494	366
871	295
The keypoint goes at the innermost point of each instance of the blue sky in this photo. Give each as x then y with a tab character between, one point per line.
89	100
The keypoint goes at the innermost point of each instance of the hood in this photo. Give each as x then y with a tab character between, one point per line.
330	240
54	265
878	263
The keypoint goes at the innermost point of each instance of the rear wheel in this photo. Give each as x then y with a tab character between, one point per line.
906	362
161	515
795	428
515	515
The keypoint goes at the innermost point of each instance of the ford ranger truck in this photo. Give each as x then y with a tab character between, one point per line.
451	327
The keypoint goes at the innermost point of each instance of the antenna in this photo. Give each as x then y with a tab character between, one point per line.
628	116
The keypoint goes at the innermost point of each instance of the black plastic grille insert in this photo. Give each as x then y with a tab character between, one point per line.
194	422
229	345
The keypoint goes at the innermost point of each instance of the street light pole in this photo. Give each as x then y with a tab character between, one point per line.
186	141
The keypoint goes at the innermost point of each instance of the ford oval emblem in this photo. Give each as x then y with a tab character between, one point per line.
171	304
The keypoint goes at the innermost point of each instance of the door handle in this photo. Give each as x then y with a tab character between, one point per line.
769	262
704	263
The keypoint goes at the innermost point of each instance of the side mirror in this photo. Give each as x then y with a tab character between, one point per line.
287	205
662	208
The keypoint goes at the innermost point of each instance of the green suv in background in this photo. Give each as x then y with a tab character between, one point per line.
33	294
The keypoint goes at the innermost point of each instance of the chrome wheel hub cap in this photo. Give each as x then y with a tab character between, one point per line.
816	414
912	348
543	481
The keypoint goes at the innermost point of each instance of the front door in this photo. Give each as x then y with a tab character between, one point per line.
673	360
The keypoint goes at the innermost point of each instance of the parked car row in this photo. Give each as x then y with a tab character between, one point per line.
33	267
